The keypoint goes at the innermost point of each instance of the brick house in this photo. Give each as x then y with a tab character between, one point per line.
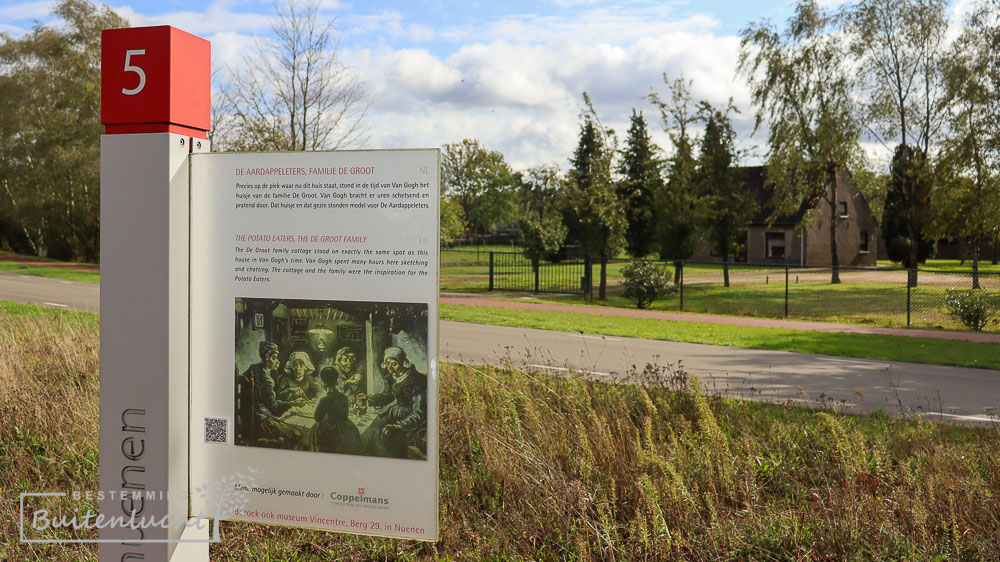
786	240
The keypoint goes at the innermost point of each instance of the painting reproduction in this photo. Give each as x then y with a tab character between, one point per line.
331	376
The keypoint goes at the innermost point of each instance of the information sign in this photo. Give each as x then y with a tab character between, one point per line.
314	330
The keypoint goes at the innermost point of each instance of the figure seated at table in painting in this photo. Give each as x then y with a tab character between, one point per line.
267	407
350	379
297	380
333	432
403	423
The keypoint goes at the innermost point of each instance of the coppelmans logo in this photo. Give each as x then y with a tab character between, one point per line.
359	499
49	524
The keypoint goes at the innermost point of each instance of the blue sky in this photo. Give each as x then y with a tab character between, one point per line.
507	73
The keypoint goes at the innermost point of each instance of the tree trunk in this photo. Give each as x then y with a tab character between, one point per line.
834	216
912	228
725	271
534	266
913	251
603	291
976	249
677	272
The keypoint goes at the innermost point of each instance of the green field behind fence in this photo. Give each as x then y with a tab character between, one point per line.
872	296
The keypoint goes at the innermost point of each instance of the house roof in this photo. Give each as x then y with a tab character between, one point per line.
753	179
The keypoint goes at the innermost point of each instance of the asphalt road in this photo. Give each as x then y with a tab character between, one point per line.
853	385
31	289
846	384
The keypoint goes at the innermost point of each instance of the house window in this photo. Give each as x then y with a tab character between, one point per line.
863	248
775	242
842	208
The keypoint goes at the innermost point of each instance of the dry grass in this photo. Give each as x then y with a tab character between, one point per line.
48	404
550	468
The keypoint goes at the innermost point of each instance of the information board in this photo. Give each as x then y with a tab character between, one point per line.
314	336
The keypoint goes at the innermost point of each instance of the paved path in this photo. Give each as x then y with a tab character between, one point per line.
727	320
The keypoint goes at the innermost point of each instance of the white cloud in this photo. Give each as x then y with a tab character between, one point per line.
228	48
27	10
389	23
612	25
522	97
218	17
514	83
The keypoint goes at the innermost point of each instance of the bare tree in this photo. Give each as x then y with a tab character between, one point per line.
292	91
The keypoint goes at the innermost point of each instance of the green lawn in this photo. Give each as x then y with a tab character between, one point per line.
870	297
867	346
64	273
949	265
860	303
48	313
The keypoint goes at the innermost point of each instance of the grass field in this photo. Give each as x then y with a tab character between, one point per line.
949	265
55	272
866	346
537	467
867	304
870	297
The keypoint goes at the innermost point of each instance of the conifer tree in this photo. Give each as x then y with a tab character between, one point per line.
641	180
730	206
597	213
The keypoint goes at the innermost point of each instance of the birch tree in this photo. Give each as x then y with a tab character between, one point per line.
50	128
969	167
802	89
900	44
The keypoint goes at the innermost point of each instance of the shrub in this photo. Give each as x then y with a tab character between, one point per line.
972	307
646	282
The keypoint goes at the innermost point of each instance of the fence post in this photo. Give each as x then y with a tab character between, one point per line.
491	271
680	265
786	290
910	274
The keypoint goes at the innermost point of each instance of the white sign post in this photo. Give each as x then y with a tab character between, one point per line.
145	195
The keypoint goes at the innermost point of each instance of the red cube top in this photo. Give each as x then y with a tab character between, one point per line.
155	79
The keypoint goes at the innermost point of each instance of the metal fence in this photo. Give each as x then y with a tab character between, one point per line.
878	296
511	271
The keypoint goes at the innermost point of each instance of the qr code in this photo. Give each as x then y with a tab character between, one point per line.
216	430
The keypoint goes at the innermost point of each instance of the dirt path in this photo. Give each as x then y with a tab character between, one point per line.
726	320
